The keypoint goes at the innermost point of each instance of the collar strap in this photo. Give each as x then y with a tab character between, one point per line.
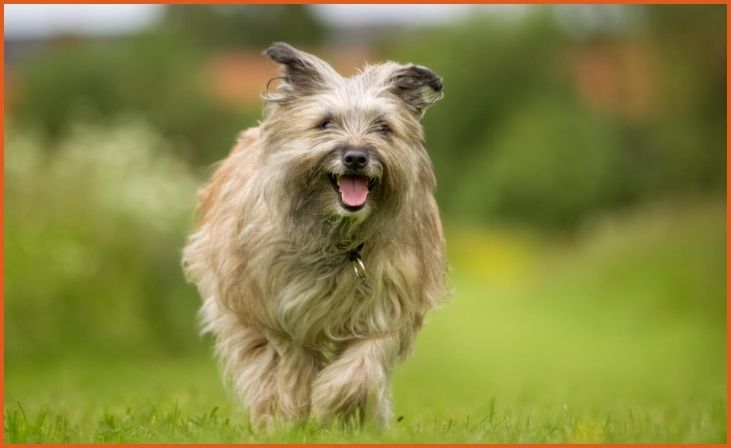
355	253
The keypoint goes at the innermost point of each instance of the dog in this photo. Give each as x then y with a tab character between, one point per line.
319	249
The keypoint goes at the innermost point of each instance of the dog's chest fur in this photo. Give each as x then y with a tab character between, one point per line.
317	300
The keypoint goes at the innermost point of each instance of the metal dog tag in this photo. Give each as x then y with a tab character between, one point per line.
359	268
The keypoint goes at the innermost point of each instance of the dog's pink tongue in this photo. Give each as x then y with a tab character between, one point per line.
353	190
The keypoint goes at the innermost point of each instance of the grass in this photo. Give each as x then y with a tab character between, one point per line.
616	334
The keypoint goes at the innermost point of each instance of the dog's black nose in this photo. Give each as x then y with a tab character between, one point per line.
355	158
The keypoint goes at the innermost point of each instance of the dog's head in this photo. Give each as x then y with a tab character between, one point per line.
348	148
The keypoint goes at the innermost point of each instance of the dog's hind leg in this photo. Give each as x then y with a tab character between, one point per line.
357	382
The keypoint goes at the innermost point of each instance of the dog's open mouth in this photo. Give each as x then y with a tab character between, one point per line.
352	190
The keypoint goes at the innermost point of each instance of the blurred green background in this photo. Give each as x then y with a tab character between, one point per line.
580	156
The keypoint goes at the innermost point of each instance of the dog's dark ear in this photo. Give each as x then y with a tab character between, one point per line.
303	73
417	86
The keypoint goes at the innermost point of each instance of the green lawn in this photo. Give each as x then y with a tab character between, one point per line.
616	334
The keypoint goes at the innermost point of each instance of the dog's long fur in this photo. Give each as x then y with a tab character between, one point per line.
296	330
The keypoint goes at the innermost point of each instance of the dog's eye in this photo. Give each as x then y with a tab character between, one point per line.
327	123
382	128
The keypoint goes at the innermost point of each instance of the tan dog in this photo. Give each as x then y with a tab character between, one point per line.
319	248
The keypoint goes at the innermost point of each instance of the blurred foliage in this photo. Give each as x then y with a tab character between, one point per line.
157	75
237	26
515	138
93	230
153	76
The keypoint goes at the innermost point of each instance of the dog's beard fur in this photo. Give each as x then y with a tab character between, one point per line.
296	330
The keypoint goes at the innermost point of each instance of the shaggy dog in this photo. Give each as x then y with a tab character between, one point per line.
319	248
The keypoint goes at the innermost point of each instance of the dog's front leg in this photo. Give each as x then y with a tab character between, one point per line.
296	372
357	382
251	362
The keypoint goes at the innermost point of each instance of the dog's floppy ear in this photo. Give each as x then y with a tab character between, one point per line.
303	73
417	86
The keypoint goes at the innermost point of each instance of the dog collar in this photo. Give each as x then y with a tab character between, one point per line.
357	260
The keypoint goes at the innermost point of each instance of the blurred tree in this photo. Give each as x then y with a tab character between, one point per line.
688	135
532	130
550	164
157	75
537	109
234	26
151	75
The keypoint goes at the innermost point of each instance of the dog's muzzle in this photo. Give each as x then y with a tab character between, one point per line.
354	183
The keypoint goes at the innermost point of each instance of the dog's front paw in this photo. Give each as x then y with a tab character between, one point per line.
351	389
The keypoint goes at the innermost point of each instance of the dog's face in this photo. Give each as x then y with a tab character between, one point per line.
348	147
